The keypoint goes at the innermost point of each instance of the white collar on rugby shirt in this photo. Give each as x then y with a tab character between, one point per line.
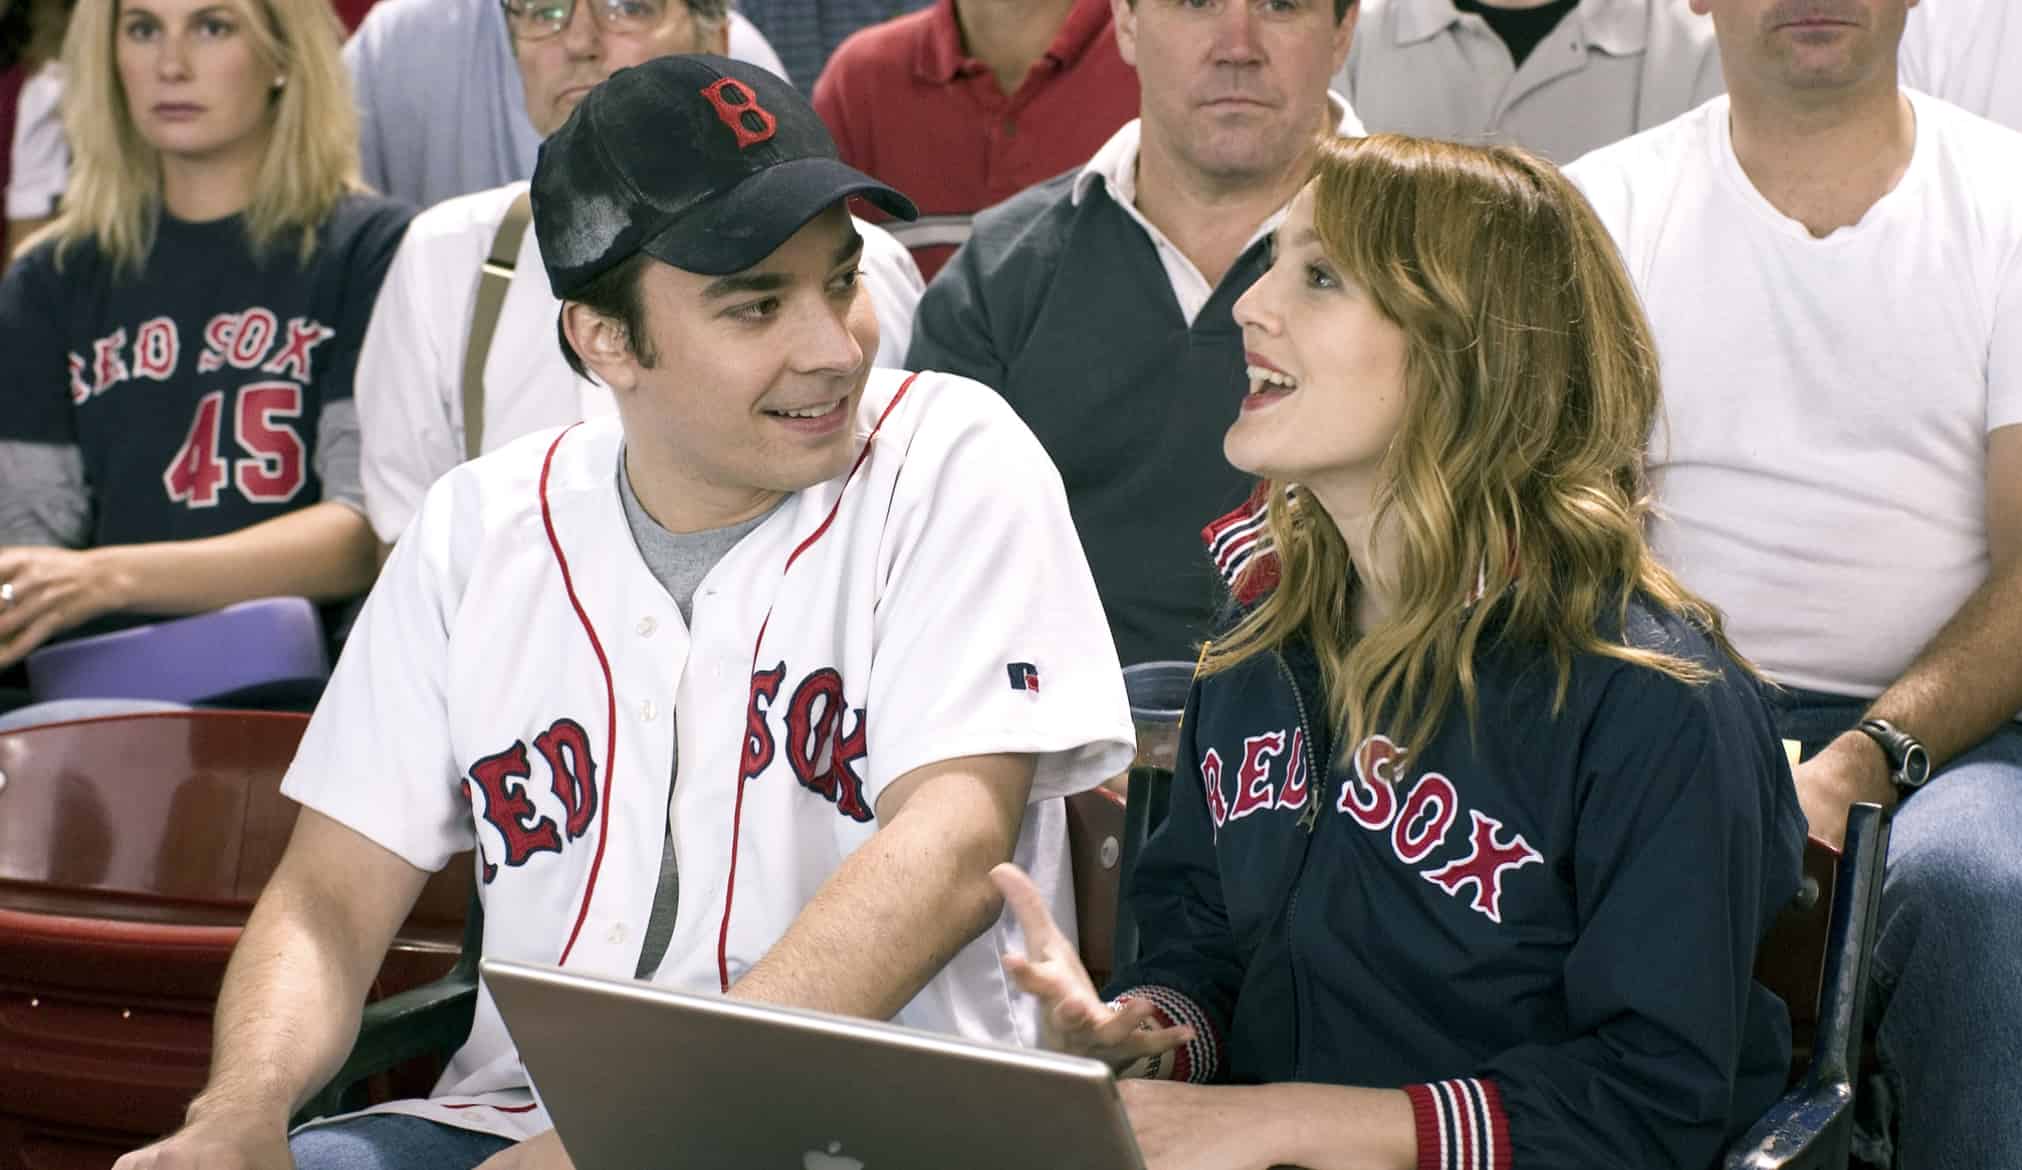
1116	166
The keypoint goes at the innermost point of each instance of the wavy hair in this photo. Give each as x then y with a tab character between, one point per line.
310	162
1515	489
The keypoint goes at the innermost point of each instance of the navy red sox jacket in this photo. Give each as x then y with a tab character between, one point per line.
1542	929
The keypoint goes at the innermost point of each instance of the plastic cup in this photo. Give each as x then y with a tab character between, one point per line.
1157	692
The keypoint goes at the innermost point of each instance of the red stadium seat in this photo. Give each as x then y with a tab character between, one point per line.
1095	835
1816	958
131	851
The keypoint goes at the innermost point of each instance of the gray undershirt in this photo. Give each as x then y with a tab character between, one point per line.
45	498
679	561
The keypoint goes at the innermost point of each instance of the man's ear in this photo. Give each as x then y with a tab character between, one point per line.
603	345
1123	14
716	40
1344	35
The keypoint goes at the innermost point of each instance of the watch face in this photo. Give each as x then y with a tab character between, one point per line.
1916	766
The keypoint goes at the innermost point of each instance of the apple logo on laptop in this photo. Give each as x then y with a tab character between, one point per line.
832	1160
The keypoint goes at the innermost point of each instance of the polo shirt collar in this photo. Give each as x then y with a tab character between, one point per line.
1616	27
1424	20
1115	165
941	59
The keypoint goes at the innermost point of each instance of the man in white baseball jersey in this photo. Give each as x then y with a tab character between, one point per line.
822	633
411	370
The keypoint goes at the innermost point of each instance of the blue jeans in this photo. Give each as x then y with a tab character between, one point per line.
1946	996
391	1141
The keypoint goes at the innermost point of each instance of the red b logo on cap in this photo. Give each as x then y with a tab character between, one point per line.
738	107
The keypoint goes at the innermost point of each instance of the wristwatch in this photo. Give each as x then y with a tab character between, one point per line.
1909	763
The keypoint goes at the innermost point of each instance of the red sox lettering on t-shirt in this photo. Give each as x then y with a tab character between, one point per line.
1418	822
275	463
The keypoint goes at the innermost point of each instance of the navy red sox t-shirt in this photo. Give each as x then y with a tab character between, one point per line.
196	389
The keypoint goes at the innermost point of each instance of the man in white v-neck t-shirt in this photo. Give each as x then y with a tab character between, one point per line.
1833	271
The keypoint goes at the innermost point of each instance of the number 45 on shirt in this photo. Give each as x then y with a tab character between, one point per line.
274	467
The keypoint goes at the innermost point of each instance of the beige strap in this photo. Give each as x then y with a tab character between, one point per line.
491	292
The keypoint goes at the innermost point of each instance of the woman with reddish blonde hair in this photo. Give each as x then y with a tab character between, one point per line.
1477	819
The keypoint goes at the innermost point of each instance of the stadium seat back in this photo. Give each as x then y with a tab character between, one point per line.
1791	959
131	851
1095	833
1811	1126
265	644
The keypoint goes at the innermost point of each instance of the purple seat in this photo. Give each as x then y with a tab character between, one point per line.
188	660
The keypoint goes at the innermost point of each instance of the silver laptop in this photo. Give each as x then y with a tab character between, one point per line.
637	1077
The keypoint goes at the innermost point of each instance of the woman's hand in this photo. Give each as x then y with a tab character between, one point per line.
1076	1019
45	591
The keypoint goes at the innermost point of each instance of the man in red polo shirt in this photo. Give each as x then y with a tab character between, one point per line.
969	102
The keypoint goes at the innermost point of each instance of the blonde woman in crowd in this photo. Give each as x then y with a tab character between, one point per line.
176	349
1477	818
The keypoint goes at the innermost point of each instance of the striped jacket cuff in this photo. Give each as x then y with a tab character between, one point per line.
1461	1125
1197	1060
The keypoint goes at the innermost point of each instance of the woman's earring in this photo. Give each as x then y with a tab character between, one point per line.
281	81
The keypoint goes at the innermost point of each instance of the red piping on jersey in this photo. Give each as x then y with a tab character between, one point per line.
737	813
610	697
500	1108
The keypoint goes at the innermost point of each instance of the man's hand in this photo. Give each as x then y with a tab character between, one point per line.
226	1141
544	1152
1851	770
52	589
1196	1127
1076	1019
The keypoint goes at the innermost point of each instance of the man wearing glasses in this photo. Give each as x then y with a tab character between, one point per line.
427	133
455	363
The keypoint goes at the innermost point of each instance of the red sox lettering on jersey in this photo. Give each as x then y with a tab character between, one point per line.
502	778
1419	822
825	739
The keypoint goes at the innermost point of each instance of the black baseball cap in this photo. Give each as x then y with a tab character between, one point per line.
706	163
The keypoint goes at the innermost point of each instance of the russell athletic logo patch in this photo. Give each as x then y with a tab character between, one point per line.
1024	677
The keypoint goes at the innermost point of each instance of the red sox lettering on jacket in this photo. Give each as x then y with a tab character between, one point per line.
1418	822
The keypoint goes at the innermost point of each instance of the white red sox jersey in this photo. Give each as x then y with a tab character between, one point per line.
410	369
511	682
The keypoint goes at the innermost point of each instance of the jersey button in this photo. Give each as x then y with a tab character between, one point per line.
647	625
617	935
646	710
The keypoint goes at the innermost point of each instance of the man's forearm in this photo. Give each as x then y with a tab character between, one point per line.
899	907
1335	1127
1968	681
287	1014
